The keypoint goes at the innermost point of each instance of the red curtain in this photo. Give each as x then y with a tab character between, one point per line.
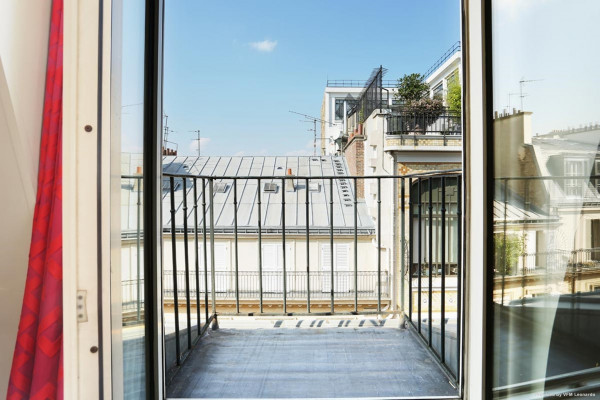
37	362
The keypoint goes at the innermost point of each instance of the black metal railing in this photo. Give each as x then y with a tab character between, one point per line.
210	315
435	264
297	283
355	83
411	124
371	97
449	53
248	280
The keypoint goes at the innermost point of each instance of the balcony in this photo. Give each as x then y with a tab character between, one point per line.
290	317
409	131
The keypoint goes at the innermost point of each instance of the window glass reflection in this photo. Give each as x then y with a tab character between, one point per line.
127	81
546	207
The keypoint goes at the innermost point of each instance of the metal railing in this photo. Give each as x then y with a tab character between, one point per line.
313	282
296	285
559	261
435	201
537	203
354	83
410	125
449	53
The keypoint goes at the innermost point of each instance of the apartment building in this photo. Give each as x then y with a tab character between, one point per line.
493	271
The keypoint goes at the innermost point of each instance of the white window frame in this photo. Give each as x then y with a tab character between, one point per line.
273	283
574	188
342	283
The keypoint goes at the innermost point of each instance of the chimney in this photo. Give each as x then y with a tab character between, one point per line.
138	182
289	183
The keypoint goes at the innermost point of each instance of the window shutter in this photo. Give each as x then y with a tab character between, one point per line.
342	262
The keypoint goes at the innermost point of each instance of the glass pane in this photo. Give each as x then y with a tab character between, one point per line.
546	201
129	380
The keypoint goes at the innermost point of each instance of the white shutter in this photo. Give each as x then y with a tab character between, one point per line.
326	268
325	257
221	257
270	257
342	266
271	264
222	278
342	257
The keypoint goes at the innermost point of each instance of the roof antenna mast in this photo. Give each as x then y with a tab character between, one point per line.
197	132
314	121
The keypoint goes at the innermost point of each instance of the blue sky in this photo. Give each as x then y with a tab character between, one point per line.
547	41
233	69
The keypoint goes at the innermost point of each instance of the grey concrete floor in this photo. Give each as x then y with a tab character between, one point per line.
309	358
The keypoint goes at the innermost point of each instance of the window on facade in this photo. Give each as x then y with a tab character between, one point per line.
575	168
339	109
453	77
341	259
438	91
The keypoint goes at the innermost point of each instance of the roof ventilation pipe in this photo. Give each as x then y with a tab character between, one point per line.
289	183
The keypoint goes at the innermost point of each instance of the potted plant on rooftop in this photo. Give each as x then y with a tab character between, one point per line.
419	109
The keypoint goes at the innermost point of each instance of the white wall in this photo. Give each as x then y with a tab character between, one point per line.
24	30
248	252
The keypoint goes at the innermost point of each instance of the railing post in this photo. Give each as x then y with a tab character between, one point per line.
378	245
283	244
430	257
331	242
420	234
307	202
187	264
138	244
443	260
410	248
205	250
235	241
505	266
260	286
459	272
402	244
212	250
197	264
355	247
174	257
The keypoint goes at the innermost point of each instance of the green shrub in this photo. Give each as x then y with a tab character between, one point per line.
507	252
454	98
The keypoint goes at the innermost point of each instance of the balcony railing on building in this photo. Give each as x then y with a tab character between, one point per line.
411	127
425	289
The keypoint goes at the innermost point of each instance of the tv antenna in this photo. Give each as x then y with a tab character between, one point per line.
314	129
522	83
197	132
166	131
510	95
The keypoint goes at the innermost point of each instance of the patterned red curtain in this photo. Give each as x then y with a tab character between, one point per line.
37	362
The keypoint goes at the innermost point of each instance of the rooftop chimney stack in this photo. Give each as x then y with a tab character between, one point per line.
289	183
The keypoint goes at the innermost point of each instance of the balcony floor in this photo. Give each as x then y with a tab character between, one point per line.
310	357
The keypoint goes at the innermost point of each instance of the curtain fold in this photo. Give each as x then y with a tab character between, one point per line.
37	361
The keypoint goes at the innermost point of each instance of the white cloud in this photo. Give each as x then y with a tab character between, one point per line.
203	142
265	46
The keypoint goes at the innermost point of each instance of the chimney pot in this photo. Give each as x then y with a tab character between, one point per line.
289	183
